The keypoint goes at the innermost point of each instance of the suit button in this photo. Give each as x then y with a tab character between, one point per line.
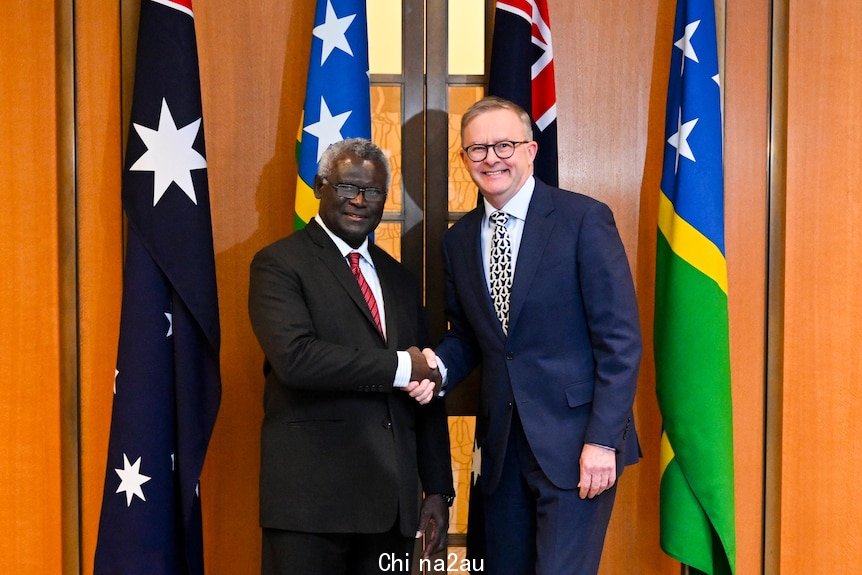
510	355
509	404
387	424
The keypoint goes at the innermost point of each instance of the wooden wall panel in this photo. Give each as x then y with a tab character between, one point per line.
30	392
746	121
611	61
254	59
820	510
99	137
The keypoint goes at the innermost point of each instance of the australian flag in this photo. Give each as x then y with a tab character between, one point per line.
522	70
166	386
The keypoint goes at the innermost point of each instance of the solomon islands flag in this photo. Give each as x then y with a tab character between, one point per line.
692	357
337	94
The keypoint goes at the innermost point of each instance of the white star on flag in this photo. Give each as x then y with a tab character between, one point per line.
327	128
684	44
170	155
680	140
131	480
170	317
333	33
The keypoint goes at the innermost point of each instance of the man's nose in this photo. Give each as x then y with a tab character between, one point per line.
488	155
359	200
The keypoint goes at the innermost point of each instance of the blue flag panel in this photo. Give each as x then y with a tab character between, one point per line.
693	160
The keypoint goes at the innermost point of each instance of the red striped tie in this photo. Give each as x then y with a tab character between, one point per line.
365	288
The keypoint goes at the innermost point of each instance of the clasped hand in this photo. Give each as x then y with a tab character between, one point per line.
425	378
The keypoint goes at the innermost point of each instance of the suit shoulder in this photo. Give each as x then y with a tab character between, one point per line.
464	224
286	247
575	200
575	206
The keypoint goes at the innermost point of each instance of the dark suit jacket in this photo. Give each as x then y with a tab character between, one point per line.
571	358
341	451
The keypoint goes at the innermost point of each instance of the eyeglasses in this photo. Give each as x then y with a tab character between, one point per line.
350	191
503	150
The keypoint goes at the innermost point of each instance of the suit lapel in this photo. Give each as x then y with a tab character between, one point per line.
332	259
537	231
390	299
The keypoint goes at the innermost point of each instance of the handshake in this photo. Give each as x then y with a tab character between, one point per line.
425	377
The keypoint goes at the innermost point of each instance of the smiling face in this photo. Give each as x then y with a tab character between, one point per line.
351	220
498	180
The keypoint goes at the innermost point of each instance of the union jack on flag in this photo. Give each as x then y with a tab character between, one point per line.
522	70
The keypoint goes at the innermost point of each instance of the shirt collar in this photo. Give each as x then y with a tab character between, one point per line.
518	205
343	247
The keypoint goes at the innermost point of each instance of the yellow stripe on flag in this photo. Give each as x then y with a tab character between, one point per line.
691	245
665	453
306	203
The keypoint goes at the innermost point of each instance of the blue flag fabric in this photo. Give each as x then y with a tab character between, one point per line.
167	386
692	175
337	95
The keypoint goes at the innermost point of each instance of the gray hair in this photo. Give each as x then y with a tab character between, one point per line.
359	147
491	103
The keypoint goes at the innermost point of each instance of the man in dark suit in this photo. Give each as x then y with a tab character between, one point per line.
539	291
343	445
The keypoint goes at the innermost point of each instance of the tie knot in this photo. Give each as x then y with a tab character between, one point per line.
500	218
354	259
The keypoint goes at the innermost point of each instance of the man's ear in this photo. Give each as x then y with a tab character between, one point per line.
318	183
532	150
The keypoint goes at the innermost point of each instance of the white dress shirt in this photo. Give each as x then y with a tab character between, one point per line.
366	266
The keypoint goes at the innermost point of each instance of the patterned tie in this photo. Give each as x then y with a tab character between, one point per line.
501	268
365	288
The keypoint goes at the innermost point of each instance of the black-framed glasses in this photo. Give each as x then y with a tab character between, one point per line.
350	191
503	150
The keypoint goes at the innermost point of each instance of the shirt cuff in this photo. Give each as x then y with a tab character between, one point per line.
443	373
402	373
